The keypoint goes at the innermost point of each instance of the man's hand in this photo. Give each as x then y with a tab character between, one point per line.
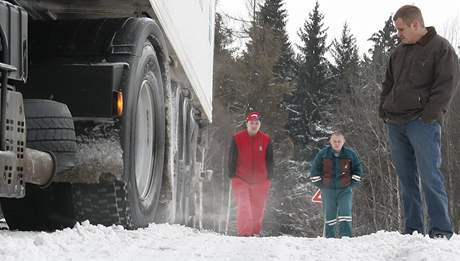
429	118
355	183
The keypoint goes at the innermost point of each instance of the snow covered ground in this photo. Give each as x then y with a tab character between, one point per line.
173	242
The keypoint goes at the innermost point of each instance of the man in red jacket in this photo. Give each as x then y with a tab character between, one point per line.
251	167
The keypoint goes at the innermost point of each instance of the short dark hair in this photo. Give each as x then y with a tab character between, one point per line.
409	13
338	133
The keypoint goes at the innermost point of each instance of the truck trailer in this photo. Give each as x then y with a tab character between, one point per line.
102	107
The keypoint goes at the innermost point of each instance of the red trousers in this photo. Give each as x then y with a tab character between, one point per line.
250	202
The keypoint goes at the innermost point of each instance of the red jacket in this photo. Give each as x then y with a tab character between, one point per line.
251	157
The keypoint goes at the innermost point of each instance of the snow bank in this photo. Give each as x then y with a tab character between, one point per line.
172	242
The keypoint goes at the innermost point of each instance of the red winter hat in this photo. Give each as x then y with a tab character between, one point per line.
253	116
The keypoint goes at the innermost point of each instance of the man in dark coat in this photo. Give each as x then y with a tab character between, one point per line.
420	81
250	168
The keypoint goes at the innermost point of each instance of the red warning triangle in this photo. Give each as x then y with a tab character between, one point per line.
317	197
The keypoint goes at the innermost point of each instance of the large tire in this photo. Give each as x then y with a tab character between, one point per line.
133	200
49	128
144	139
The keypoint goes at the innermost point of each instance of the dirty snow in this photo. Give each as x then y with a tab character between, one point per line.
173	242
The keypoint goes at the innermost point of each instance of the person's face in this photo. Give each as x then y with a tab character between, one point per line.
409	34
253	126
337	142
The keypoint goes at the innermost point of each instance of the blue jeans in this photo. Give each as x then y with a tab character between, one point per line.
416	152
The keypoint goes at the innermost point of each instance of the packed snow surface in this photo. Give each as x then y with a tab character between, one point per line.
173	242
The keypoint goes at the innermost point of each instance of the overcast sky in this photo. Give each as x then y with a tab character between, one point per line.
364	17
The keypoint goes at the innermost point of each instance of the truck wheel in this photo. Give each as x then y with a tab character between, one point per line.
133	200
144	138
49	128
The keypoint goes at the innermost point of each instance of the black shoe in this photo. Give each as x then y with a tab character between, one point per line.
410	231
438	235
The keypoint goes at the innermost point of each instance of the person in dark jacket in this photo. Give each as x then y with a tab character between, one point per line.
420	81
336	169
250	168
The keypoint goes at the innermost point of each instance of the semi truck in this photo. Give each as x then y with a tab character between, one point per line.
102	107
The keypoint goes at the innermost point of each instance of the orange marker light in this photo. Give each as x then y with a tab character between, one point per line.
119	103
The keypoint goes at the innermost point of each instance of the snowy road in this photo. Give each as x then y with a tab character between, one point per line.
172	242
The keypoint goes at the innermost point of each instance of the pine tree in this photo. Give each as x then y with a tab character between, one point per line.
274	15
311	97
314	70
346	59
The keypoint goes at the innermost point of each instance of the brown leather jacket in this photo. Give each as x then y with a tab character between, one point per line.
420	80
